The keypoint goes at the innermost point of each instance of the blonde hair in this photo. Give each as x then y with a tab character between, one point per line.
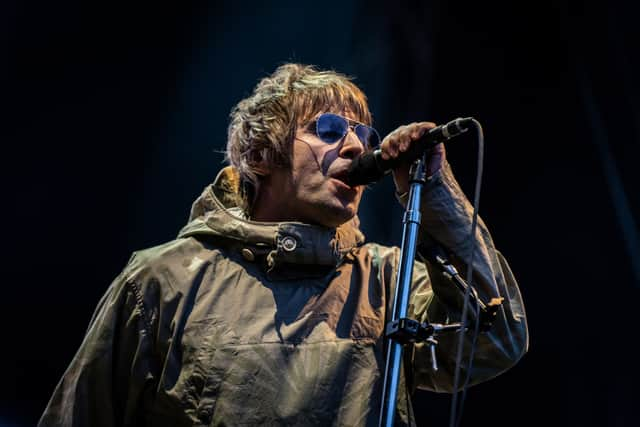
263	125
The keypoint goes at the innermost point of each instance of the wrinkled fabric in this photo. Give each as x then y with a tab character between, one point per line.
238	322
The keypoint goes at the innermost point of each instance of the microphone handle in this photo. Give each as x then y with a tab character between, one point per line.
371	167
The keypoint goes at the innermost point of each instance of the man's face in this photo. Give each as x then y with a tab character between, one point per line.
313	190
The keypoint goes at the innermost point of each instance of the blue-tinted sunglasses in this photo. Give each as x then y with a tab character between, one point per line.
332	128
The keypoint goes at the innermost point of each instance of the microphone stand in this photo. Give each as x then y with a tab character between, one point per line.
395	347
400	330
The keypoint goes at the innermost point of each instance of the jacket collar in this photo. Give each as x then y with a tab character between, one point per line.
215	214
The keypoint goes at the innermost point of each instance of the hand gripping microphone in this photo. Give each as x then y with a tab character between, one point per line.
370	167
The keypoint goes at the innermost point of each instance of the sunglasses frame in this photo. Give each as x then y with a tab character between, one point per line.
351	126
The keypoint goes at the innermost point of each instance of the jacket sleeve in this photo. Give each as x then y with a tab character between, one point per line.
447	218
106	378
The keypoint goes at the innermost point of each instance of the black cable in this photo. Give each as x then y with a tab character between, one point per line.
455	412
474	342
476	331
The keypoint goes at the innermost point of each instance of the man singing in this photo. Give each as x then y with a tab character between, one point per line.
269	308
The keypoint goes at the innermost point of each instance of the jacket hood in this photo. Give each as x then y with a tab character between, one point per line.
216	215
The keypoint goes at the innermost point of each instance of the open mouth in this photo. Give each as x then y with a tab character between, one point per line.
341	176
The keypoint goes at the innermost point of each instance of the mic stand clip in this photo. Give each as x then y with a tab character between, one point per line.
486	313
405	331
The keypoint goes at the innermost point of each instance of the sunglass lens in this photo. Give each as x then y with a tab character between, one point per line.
331	128
368	135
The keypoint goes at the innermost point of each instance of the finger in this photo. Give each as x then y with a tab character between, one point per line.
415	131
424	127
387	148
404	145
404	140
401	138
392	149
391	145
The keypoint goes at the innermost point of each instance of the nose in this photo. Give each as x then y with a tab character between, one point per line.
351	146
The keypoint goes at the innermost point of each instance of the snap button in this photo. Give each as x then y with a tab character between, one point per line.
289	243
247	254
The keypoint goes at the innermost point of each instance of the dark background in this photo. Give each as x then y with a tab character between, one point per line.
115	115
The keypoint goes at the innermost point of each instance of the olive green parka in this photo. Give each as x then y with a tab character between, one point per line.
246	323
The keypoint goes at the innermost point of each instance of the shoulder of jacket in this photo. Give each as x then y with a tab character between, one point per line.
178	256
165	273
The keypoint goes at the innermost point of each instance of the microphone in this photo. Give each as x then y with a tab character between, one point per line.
370	167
